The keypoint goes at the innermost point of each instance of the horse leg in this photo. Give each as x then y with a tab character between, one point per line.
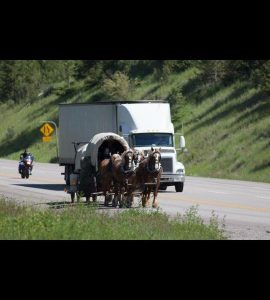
155	202
129	197
130	200
115	198
122	198
106	200
143	199
144	196
148	196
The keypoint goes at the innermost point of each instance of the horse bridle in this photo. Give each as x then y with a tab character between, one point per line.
157	162
137	158
130	169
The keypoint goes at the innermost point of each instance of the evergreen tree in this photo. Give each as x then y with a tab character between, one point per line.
261	76
213	71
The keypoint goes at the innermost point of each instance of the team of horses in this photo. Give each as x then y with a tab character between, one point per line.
130	173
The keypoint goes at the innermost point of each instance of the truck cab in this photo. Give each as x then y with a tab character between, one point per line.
148	124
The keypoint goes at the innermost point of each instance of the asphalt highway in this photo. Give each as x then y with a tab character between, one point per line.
244	207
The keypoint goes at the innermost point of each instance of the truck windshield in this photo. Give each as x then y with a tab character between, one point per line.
152	139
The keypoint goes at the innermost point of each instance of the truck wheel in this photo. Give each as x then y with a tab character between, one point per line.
179	186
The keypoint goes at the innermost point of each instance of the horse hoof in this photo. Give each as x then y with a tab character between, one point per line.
155	205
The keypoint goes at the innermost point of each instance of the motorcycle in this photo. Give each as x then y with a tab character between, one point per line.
25	166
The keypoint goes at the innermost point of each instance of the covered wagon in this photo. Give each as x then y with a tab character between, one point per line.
85	180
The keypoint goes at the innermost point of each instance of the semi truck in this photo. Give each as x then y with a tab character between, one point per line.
143	124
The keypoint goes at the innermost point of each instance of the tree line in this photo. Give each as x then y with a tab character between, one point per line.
23	80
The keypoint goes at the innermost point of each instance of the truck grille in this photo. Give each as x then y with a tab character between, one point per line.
167	165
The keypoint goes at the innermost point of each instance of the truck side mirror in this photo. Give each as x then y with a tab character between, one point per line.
182	143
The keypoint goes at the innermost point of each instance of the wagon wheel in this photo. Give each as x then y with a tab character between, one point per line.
143	200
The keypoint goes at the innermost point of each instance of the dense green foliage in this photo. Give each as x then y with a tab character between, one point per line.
86	223
23	80
223	104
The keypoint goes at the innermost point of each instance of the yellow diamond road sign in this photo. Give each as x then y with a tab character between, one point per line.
46	129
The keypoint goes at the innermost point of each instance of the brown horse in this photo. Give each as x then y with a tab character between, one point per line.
134	184
122	170
105	182
147	177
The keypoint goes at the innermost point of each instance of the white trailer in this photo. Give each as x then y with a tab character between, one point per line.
144	124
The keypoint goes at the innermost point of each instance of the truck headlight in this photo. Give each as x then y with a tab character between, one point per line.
180	171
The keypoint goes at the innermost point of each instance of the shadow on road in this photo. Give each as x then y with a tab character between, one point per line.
51	187
98	205
60	187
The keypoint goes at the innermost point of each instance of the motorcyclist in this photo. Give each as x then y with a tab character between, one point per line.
23	156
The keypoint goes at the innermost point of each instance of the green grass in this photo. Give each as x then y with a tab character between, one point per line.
151	89
86	223
22	124
228	134
226	128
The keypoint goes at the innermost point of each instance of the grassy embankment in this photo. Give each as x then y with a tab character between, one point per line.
86	223
226	128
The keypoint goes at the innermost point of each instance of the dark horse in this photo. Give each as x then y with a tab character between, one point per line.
122	170
147	177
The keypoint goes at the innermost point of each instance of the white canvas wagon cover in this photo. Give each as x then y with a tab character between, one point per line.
92	149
